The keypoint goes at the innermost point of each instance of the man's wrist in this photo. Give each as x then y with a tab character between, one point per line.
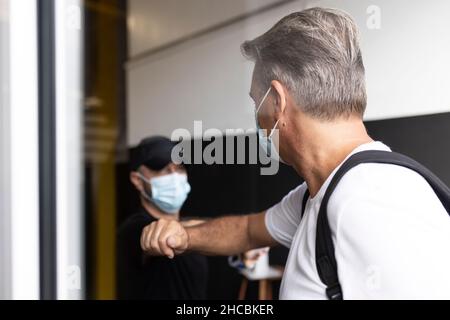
189	238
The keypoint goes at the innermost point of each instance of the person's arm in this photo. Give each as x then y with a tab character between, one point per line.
192	222
222	236
230	235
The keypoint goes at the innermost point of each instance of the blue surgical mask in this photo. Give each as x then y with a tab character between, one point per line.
266	141
168	192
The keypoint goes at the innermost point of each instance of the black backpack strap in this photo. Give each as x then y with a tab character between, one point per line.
325	258
305	199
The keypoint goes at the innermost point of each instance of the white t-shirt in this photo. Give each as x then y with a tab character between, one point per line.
390	231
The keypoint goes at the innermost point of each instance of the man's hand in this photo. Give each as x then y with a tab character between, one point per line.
250	258
164	238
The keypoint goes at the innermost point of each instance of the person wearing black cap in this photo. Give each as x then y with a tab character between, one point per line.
163	188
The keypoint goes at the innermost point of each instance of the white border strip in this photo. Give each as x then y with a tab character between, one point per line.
69	217
5	175
24	149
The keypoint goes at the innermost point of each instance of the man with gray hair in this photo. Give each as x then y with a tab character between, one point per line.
390	230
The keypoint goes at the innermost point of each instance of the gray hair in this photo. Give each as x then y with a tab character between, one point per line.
315	53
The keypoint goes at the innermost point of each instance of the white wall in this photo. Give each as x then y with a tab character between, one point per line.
207	79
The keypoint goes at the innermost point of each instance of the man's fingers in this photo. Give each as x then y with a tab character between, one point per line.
146	233
174	242
148	238
154	238
165	249
177	242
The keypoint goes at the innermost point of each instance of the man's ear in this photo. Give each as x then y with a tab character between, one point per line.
280	94
136	181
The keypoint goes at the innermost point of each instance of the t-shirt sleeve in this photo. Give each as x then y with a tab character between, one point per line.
282	219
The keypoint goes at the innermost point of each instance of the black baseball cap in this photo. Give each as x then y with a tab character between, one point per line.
153	152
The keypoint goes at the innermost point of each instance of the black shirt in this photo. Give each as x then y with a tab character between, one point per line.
156	278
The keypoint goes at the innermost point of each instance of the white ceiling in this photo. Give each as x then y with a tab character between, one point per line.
154	23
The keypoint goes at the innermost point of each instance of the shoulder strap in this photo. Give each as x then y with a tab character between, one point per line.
325	258
305	199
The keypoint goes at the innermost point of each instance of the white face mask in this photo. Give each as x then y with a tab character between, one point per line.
169	192
266	143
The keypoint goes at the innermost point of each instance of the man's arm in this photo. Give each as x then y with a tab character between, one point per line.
222	236
192	222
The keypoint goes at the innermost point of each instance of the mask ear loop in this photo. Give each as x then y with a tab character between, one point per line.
263	99
273	130
147	196
259	107
274	127
143	177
